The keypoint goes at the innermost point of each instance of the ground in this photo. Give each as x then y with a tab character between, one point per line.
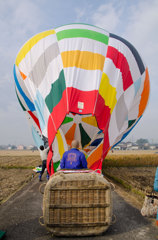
138	177
16	170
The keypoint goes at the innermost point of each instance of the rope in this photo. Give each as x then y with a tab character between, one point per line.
40	188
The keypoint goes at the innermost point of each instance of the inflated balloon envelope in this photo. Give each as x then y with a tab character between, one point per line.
80	82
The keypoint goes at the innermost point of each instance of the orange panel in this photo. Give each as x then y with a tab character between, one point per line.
145	94
23	75
70	134
95	155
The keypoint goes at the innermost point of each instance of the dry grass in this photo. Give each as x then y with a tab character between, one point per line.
11	180
131	159
16	170
19	159
135	170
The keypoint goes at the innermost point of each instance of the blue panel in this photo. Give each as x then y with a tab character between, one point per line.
27	100
39	105
36	137
96	142
125	135
137	85
133	50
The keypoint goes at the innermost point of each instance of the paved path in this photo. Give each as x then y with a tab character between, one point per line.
19	216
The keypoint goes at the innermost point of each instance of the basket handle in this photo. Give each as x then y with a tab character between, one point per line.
96	170
113	220
40	188
112	186
41	223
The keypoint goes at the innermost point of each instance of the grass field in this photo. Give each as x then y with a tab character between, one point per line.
141	158
133	170
16	170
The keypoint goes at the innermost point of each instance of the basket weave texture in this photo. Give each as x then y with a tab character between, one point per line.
77	204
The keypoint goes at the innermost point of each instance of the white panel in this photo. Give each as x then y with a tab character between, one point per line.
82	79
31	88
82	44
52	74
113	130
129	56
111	71
114	75
46	117
119	86
56	155
36	51
117	139
121	133
134	110
22	99
90	129
66	127
142	84
129	95
81	26
124	127
31	122
22	85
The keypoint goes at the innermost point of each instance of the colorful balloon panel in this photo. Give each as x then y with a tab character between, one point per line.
80	81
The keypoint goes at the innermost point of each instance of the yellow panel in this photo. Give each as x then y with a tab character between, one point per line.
30	43
90	120
108	92
60	143
83	59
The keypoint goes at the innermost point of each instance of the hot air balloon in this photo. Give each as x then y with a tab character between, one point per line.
80	82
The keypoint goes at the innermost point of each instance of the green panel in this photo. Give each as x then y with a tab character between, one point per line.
67	120
20	101
83	33
56	165
85	139
2	234
55	95
130	122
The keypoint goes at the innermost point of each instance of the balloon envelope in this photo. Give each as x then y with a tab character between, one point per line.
80	81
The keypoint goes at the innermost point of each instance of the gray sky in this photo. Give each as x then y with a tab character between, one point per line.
135	20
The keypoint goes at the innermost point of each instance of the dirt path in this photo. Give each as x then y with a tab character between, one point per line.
19	216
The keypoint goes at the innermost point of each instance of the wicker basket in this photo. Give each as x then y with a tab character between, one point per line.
77	204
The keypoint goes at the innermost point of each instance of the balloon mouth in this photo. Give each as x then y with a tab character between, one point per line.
84	128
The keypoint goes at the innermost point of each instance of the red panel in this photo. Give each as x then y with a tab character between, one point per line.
35	119
106	144
102	113
49	162
97	165
55	120
88	99
51	130
103	116
57	117
121	63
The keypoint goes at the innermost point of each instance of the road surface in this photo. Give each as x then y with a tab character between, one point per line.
19	216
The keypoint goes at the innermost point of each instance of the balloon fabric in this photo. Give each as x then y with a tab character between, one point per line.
80	82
